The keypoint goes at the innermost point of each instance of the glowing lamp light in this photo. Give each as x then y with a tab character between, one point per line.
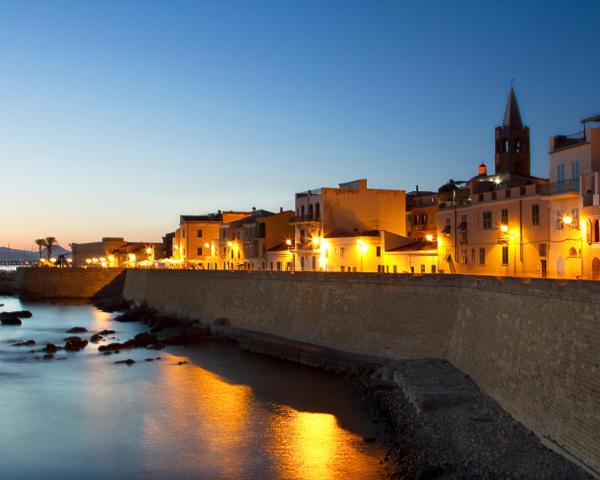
567	219
429	237
88	260
230	244
111	258
288	242
362	246
53	260
497	180
69	260
316	241
206	245
149	250
131	257
504	228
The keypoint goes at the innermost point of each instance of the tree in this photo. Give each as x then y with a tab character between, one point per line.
50	242
41	243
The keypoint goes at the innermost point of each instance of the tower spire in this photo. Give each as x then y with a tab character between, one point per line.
512	115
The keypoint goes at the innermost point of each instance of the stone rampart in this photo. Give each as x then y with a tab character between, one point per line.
532	344
79	283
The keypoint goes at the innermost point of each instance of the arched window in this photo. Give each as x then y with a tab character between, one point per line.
506	145
310	211
302	211
317	211
572	252
589	232
596	231
518	146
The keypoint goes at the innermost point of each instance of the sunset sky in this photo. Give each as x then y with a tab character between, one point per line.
116	117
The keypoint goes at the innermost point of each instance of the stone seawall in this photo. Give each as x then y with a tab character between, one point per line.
532	344
78	283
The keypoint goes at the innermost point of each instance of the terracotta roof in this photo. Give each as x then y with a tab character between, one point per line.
342	234
415	247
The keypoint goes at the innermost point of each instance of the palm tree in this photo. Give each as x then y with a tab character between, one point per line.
41	243
50	242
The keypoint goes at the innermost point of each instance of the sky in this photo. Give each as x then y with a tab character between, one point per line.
117	117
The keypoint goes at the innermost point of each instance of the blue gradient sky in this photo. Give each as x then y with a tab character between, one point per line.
115	117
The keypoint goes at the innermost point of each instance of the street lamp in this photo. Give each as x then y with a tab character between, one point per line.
362	248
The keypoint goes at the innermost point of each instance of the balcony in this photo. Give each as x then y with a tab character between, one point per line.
566	186
305	218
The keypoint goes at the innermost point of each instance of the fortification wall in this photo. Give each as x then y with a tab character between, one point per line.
70	282
532	344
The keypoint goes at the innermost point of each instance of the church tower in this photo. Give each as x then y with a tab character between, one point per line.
512	141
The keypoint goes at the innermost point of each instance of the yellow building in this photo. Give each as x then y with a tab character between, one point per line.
340	217
514	224
112	252
244	244
196	241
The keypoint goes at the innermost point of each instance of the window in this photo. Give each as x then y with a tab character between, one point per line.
559	220
279	266
560	173
575	170
482	256
543	249
596	231
342	268
504	216
415	219
575	217
504	254
378	251
342	252
199	233
199	251
535	215
473	256
463	255
487	220
317	211
422	268
423	219
314	263
395	269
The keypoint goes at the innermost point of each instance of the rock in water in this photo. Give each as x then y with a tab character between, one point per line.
74	344
10	321
77	330
129	361
26	343
96	338
51	348
18	314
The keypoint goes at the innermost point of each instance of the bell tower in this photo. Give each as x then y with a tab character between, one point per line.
512	141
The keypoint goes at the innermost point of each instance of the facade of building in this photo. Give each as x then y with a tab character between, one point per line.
196	241
511	223
116	252
337	218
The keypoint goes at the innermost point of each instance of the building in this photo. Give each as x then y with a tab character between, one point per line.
512	223
244	244
421	210
196	241
116	252
332	226
574	173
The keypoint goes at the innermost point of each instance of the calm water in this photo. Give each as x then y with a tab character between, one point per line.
226	414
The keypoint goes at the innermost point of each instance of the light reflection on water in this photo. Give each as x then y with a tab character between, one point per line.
225	414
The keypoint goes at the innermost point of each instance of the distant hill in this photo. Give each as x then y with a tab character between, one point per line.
14	255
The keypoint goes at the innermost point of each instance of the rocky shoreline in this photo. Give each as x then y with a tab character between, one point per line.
435	422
